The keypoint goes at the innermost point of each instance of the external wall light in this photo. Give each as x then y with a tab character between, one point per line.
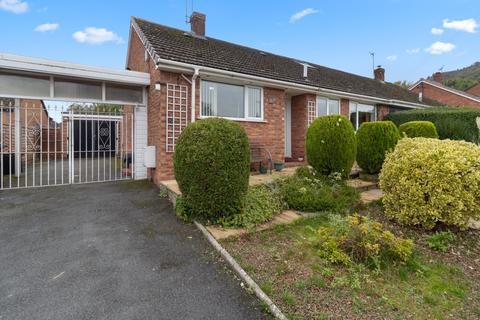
158	86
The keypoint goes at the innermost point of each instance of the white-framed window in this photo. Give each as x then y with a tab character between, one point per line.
360	113
231	101
326	106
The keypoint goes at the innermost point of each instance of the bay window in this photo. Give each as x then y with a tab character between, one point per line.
327	106
231	101
360	113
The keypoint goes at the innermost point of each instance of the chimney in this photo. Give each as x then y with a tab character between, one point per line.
379	73
437	76
197	23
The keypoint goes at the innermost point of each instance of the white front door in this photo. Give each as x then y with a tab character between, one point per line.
288	127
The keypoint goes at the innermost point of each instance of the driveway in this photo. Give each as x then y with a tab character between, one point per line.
109	251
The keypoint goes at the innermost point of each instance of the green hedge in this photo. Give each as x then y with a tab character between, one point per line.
374	139
331	145
415	129
212	166
451	123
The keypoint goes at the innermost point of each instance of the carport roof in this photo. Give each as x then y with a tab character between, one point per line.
11	62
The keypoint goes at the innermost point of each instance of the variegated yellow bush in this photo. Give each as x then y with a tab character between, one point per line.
426	181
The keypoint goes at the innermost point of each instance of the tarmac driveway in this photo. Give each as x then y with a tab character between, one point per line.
109	251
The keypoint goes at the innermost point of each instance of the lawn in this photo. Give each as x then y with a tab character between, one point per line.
433	284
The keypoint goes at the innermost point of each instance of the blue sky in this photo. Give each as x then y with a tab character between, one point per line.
337	34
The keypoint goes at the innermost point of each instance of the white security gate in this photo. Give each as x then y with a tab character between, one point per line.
46	143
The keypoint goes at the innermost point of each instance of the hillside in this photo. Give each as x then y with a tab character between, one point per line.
464	78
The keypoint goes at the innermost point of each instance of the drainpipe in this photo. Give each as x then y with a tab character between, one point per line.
194	83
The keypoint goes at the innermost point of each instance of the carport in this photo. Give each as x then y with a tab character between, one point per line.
65	123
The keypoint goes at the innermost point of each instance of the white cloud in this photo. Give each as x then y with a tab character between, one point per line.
393	57
440	47
92	35
47	27
413	51
468	25
437	31
15	6
301	14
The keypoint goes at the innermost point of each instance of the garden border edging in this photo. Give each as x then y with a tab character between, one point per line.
241	273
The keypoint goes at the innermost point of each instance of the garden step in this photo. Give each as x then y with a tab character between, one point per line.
362	185
371	195
286	217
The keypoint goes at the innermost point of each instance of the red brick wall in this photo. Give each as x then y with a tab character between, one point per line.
445	97
269	133
382	111
345	107
300	124
475	90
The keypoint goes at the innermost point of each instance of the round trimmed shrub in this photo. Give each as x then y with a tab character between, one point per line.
426	181
414	129
212	166
330	145
374	140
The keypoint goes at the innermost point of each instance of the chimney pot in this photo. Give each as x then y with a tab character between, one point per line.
379	73
437	76
197	23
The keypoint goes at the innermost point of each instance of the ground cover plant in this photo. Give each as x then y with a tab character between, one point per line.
308	191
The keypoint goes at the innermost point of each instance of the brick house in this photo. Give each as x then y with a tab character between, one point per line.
433	88
274	98
474	90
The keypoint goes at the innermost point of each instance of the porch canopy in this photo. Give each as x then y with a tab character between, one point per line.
35	78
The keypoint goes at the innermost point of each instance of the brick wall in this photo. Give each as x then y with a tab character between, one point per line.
300	124
382	111
445	97
475	90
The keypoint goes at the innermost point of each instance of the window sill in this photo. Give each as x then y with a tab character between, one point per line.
236	119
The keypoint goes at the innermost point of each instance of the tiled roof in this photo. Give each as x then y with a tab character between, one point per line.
450	89
181	46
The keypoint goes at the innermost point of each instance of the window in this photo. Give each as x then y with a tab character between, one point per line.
123	93
77	90
360	113
327	106
231	101
23	85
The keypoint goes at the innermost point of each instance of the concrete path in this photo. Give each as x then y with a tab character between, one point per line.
109	251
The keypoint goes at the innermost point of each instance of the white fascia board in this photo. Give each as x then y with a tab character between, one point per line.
171	65
67	69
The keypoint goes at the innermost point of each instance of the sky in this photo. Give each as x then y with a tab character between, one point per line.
410	39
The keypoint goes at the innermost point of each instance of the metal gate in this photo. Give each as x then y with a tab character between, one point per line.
44	143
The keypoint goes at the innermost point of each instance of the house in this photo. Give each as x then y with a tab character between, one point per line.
435	89
474	90
194	76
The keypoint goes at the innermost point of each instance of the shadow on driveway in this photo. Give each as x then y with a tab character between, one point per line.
109	251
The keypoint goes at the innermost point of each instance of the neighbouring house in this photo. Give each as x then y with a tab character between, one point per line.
475	90
275	98
433	88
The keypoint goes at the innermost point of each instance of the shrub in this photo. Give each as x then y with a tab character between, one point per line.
211	165
426	181
374	139
415	129
307	191
261	204
440	241
356	238
451	123
331	145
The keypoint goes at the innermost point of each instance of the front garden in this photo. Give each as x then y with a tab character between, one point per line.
411	255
